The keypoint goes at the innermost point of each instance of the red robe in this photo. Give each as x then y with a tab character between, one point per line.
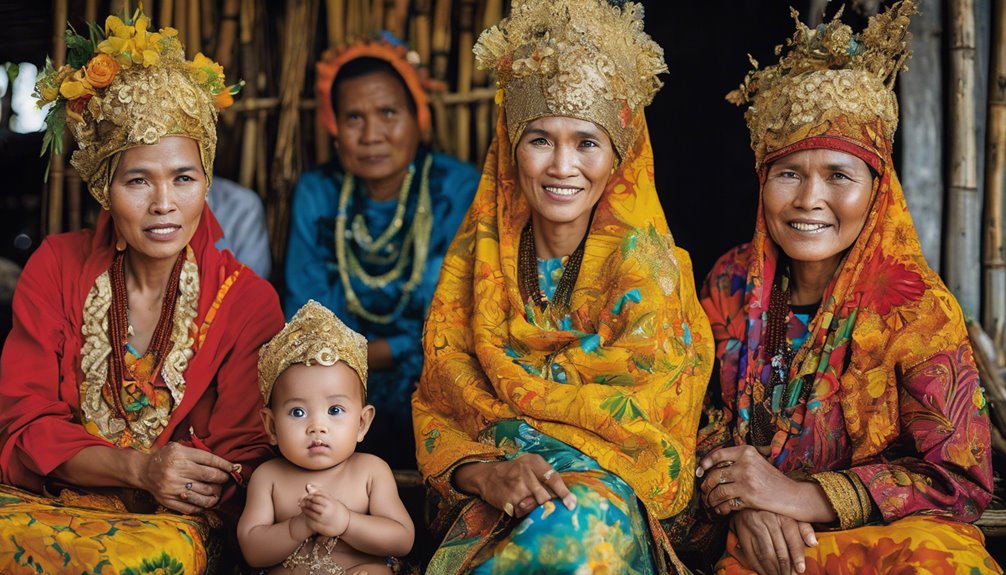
40	374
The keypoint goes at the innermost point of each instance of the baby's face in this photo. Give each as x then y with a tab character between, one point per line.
317	414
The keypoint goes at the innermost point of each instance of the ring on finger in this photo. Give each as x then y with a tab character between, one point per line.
188	486
508	509
736	503
548	474
723	479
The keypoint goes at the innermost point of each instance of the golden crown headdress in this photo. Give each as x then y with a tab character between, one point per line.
586	59
828	72
314	336
124	86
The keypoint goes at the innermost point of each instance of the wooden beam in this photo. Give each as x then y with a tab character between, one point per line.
994	251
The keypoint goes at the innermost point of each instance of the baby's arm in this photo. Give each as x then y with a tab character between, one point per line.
385	530
265	543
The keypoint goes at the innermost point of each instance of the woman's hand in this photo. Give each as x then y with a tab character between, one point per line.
185	479
325	514
515	487
736	478
771	544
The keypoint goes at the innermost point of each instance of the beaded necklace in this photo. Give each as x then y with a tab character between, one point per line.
780	356
527	272
118	330
416	237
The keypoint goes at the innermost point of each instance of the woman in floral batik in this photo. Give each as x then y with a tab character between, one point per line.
853	432
566	351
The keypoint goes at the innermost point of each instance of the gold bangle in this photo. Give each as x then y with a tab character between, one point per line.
843	498
865	501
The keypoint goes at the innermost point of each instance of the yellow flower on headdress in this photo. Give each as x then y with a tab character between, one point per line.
76	86
132	44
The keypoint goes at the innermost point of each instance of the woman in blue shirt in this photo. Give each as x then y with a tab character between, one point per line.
370	229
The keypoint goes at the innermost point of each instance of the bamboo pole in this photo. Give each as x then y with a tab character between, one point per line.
228	33
484	125
193	37
248	68
181	20
994	257
286	164
167	13
352	20
962	236
441	40
335	14
421	31
376	15
53	209
206	26
466	64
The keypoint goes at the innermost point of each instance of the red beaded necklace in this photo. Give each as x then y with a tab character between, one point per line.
118	329
779	353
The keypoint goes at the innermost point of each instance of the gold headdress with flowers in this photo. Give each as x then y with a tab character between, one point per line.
124	86
828	75
314	336
586	59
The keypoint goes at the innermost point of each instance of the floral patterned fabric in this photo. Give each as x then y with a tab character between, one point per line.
636	354
887	383
606	529
911	545
93	534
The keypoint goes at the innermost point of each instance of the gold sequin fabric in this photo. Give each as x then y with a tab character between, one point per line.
314	336
583	59
828	73
99	415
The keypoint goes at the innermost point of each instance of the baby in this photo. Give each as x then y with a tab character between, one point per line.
321	508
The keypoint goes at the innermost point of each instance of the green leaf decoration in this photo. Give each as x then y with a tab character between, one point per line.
623	407
78	49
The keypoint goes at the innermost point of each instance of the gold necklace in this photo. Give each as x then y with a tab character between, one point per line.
417	237
361	233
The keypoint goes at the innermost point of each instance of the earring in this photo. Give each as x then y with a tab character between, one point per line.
120	243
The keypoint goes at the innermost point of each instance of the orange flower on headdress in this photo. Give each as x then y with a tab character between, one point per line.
101	70
76	86
75	108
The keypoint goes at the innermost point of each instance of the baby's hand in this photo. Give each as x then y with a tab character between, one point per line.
325	514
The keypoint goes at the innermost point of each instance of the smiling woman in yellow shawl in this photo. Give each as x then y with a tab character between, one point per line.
566	351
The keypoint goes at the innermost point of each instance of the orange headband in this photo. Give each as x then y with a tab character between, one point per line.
331	61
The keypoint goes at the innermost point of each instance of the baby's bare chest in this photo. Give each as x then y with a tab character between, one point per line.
288	492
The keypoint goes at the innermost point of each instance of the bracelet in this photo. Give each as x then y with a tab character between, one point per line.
865	501
843	498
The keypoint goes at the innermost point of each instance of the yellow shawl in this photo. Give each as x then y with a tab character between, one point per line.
637	359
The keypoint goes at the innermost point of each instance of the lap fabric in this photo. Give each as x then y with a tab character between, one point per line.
915	544
606	529
93	534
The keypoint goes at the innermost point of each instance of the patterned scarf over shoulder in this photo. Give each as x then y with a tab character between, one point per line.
635	358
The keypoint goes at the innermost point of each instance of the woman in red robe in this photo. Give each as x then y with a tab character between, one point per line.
128	401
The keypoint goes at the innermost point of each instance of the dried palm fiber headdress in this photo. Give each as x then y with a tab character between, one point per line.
314	336
585	59
124	86
828	77
385	47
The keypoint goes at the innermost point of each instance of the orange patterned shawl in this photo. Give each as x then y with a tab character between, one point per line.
637	360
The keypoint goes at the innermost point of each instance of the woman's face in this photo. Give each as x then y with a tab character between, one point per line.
378	134
816	203
156	196
563	166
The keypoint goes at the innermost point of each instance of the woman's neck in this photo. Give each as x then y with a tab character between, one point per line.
384	189
145	277
553	240
808	280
